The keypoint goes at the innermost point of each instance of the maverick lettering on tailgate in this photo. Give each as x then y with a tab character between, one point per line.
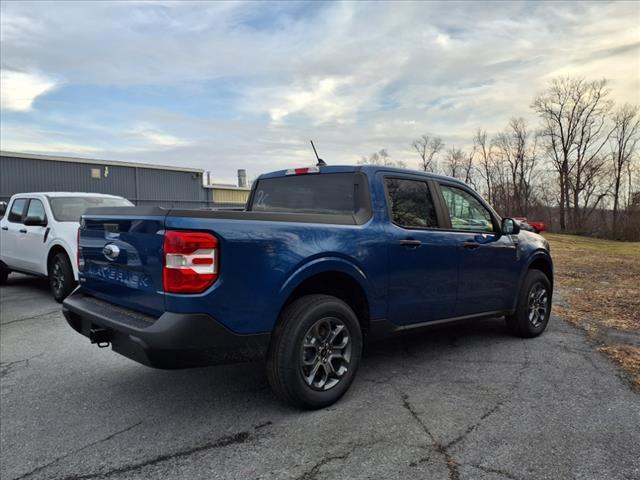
129	278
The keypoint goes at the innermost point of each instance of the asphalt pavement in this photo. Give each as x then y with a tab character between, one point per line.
461	402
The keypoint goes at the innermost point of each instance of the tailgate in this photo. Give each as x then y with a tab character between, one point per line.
121	256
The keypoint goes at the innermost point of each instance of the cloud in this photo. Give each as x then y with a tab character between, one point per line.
443	40
320	100
157	138
18	90
226	85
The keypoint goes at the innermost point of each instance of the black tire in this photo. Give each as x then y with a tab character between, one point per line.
61	279
4	274
534	306
297	349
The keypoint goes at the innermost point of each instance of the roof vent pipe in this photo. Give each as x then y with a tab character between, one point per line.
242	178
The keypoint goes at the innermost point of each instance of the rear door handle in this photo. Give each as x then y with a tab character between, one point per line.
471	245
410	243
23	230
5	228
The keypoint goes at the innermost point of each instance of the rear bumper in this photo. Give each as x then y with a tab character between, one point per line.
171	341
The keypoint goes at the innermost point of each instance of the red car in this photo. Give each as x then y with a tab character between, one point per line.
536	226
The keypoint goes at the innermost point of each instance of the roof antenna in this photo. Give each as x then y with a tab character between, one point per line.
321	163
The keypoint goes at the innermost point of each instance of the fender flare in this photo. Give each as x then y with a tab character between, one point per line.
319	265
62	244
536	255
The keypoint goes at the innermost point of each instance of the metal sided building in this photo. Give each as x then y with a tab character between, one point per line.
228	196
142	184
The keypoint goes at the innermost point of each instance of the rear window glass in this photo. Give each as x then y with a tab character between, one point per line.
70	209
329	193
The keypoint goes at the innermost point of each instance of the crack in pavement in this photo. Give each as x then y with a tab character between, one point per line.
225	441
452	466
443	449
311	474
472	427
7	367
78	450
315	470
24	319
497	471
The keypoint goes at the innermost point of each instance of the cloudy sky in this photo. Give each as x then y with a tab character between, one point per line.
222	86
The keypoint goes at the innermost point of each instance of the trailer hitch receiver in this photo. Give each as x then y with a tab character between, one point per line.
100	336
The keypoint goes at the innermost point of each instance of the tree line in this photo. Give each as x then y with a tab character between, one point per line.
577	168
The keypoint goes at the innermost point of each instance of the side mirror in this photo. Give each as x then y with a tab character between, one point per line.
510	226
35	222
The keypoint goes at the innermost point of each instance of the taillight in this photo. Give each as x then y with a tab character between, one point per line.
79	259
190	261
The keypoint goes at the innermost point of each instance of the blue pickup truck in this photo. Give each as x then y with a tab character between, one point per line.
321	259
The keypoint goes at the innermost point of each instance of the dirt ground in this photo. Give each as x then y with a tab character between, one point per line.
598	289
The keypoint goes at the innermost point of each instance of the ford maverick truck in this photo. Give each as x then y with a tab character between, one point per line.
321	259
38	235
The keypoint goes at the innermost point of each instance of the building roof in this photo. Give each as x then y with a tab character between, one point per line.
94	161
226	186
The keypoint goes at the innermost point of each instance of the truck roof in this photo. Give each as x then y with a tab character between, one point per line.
66	194
368	169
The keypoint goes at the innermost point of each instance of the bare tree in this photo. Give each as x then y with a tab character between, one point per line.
455	163
625	137
468	167
382	158
515	157
483	147
428	147
573	113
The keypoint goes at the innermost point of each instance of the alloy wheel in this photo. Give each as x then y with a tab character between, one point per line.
325	353
538	304
57	277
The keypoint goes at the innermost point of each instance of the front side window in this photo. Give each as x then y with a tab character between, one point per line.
465	211
70	209
411	203
36	210
15	215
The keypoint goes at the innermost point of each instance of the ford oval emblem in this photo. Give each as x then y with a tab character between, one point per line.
111	251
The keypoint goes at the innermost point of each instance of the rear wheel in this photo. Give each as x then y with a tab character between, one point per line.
61	279
315	352
534	306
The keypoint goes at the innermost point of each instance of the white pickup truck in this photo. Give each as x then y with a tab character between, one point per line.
38	235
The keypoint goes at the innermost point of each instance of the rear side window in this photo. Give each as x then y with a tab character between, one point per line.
15	215
36	210
328	193
411	203
465	211
70	209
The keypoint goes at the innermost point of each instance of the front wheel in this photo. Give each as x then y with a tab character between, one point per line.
315	352
61	280
534	306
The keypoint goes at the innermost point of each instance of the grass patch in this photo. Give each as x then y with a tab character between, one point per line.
627	356
600	281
